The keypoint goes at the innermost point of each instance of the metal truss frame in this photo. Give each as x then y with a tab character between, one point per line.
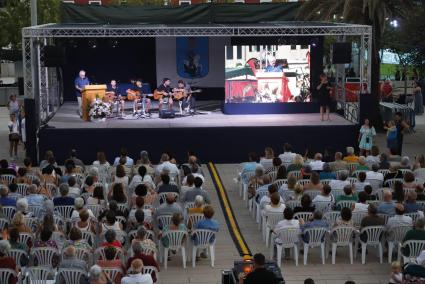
36	77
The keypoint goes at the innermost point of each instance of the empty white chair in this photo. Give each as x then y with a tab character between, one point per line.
316	238
414	248
395	238
70	276
270	220
343	236
176	241
203	239
287	238
44	256
373	235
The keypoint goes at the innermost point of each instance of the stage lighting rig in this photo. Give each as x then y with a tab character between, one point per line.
92	43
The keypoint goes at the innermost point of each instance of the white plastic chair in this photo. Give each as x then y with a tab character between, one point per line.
316	238
293	203
164	220
337	193
256	211
373	234
331	217
17	255
6	274
99	253
9	211
96	209
272	175
89	237
65	211
176	241
280	182
113	273
345	203
203	241
383	171
44	255
8	179
25	237
288	238
375	183
357	218
37	211
385	217
4	223
70	276
323	206
270	219
39	274
414	215
390	182
395	238
415	248
31	223
352	180
303	181
150	270
163	196
356	173
297	174
343	237
243	189
22	189
306	216
312	193
194	218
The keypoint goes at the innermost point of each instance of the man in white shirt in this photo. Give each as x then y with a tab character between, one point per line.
136	276
317	163
399	219
165	163
123	154
288	156
74	190
340	182
272	188
287	223
325	196
374	174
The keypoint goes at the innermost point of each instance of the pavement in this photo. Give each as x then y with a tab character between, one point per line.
226	252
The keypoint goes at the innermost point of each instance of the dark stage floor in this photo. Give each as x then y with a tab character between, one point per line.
213	135
211	116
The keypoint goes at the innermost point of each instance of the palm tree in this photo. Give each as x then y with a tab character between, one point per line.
369	12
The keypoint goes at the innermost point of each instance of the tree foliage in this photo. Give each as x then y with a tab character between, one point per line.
17	15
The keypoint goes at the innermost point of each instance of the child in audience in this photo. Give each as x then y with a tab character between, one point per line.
391	135
396	276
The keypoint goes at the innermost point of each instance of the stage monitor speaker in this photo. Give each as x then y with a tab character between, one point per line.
167	113
31	130
341	53
54	56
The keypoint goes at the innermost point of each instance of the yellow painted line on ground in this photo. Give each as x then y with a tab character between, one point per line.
229	213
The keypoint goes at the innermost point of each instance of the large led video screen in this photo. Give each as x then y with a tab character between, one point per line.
267	73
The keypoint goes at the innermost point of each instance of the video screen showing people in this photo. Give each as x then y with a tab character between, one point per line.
267	73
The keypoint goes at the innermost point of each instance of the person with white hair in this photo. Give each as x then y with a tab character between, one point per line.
272	66
79	205
405	163
199	205
7	262
136	276
70	259
80	82
97	275
351	156
166	163
22	206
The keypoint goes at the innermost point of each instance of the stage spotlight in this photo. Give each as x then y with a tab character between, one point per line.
92	43
314	42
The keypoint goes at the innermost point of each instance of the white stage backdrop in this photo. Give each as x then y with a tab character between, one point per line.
166	62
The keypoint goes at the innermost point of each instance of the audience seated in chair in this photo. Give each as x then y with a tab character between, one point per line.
135	274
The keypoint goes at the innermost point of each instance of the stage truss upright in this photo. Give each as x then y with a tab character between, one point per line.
37	78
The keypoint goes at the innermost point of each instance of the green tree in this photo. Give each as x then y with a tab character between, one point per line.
369	12
16	15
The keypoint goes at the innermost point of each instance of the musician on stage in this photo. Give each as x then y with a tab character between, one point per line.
189	99
166	89
115	97
138	88
80	82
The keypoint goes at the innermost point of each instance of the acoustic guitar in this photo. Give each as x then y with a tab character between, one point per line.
157	95
181	93
133	95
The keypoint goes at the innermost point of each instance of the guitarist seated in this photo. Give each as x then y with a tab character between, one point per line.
136	94
188	98
166	92
114	97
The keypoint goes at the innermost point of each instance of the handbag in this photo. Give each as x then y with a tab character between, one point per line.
14	136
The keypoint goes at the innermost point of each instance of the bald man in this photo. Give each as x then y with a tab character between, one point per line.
70	259
272	67
135	275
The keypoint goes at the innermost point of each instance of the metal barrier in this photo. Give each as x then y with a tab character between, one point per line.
389	109
351	110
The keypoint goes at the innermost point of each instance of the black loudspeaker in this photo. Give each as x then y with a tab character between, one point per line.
341	53
31	130
167	113
21	86
54	56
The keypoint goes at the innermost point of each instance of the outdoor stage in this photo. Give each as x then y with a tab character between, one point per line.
213	135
